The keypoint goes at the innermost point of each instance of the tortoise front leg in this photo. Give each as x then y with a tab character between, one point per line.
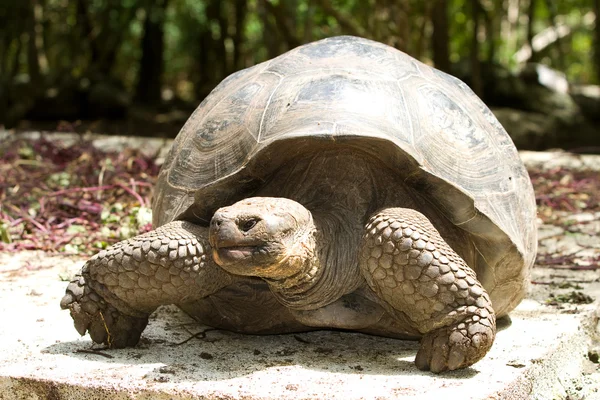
412	269
118	288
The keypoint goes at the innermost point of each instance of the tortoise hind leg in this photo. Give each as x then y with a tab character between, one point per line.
118	288
412	269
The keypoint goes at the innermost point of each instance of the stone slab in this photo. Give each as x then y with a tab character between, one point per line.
541	355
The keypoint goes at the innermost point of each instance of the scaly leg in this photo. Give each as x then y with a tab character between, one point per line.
412	269
118	288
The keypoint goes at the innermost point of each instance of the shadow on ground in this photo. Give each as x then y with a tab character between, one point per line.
221	355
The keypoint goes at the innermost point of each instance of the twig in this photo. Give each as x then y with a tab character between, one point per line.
28	218
96	352
80	189
108	338
133	193
200	335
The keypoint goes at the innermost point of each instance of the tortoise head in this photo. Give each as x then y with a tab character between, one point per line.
261	236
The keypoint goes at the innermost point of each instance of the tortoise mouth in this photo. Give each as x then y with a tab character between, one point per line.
227	242
230	255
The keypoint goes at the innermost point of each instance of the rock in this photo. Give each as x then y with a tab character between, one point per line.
537	106
528	130
17	97
541	115
547	92
107	100
543	75
587	98
550	160
64	101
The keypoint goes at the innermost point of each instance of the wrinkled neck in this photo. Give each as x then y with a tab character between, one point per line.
303	263
324	264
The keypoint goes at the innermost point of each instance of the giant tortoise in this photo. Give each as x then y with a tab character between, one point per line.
341	185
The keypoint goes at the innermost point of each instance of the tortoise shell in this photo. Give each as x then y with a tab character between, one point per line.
425	124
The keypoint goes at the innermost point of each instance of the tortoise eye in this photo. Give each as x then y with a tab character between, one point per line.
248	224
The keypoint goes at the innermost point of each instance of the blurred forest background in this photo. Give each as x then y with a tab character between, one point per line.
141	66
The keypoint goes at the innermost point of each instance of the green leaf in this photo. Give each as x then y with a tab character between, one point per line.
62	179
73	229
143	216
4	234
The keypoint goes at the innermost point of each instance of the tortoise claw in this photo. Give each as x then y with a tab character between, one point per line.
92	314
456	346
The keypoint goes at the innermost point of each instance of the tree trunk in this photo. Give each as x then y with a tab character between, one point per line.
309	22
84	21
14	67
440	37
38	17
241	9
7	76
290	8
33	61
377	24
284	24
597	39
402	14
551	6
149	85
269	31
421	44
8	41
110	40
492	28
476	79
530	20
202	66
512	28
212	60
217	51
348	24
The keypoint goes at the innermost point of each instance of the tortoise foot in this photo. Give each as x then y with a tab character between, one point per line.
410	266
456	346
118	288
105	324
